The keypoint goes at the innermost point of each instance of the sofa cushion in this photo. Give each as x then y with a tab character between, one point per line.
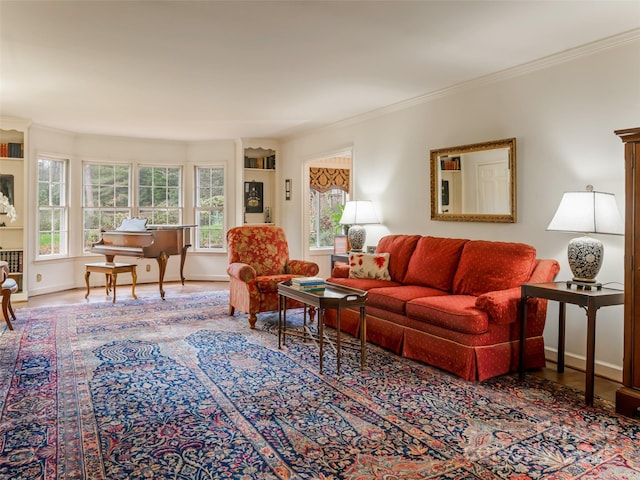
487	266
454	312
434	262
340	269
9	284
394	299
362	283
369	265
400	248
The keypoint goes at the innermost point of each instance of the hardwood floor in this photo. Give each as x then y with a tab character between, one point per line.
604	388
97	294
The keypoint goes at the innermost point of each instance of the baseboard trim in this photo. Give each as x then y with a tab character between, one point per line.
578	362
34	292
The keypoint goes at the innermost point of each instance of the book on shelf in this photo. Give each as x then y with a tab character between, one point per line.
13	259
450	163
263	163
11	150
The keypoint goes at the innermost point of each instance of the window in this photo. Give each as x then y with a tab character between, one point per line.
53	234
210	207
159	195
106	199
325	210
329	180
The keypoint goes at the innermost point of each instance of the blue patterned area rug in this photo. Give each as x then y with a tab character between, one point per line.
178	390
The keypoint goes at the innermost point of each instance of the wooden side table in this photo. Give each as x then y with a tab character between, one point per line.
589	300
111	271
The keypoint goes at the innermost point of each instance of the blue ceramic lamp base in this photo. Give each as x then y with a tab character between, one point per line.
585	256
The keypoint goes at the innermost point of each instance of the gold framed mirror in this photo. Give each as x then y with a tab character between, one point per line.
474	183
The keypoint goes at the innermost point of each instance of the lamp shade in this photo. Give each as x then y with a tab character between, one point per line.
587	212
356	214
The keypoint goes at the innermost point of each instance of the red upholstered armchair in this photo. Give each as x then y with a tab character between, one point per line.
258	261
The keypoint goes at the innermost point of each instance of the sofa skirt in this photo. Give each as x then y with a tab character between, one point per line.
473	362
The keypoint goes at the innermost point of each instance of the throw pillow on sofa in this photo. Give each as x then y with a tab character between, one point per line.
369	265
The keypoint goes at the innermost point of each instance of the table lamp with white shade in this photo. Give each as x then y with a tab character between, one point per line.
358	213
587	212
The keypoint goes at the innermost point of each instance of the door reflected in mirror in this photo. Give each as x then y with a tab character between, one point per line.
474	183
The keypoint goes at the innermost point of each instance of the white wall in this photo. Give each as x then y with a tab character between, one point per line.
563	117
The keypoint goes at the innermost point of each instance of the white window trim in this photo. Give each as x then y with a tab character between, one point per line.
65	207
225	210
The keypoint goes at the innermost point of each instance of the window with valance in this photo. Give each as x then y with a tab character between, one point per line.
328	193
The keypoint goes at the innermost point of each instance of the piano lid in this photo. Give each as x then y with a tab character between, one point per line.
169	227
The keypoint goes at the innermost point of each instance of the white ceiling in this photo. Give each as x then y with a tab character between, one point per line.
198	70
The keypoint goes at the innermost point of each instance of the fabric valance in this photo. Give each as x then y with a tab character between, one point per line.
324	179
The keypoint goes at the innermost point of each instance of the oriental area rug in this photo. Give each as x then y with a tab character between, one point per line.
177	389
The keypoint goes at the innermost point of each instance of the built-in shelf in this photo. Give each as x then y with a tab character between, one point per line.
13	171
258	163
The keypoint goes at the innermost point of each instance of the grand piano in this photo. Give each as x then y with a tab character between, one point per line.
158	241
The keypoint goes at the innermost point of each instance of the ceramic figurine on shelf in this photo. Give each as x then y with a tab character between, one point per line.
6	208
267	215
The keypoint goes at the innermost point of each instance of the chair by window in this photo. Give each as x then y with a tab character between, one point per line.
258	261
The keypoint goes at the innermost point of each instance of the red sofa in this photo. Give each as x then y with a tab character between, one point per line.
453	303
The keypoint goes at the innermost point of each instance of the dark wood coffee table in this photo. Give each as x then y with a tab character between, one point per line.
333	296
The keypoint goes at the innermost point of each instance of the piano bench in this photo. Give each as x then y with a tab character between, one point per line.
111	271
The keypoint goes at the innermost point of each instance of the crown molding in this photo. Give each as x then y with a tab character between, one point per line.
512	72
